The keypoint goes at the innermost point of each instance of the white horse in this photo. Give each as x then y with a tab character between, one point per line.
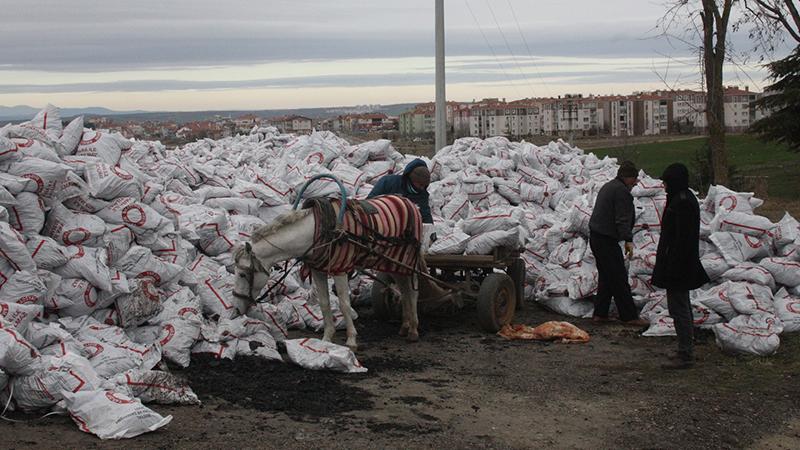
292	235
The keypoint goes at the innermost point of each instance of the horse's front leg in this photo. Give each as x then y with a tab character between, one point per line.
409	299
343	291
320	281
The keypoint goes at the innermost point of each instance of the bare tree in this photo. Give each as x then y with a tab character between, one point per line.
716	18
770	21
706	22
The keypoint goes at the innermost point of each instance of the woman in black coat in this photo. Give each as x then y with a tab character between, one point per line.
678	268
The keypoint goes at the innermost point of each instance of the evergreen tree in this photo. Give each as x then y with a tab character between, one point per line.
781	101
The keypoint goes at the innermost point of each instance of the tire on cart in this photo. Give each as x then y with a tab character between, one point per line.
386	304
497	301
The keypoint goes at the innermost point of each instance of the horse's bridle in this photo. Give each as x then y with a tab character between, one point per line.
249	275
254	263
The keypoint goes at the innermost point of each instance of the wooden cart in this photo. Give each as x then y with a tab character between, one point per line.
493	282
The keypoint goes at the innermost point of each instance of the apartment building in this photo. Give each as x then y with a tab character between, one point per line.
360	123
291	124
638	114
422	119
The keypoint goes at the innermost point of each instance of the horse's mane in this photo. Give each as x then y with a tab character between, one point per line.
281	221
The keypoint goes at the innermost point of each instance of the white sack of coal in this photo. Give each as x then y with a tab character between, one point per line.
316	354
8	149
47	177
55	376
71	228
273	317
785	271
20	315
109	359
493	220
748	298
751	273
177	338
720	198
155	386
647	186
12	249
749	224
714	264
87	263
737	248
787	231
216	296
260	344
787	308
140	262
141	304
756	334
27	215
111	415
103	145
661	324
110	182
485	243
135	215
454	243
583	280
568	307
67	144
17	355
29	288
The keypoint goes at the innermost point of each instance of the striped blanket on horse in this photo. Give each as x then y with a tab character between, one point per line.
388	225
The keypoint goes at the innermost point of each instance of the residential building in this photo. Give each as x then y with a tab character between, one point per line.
362	123
291	124
421	119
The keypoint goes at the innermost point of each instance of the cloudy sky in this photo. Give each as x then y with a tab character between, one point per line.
238	54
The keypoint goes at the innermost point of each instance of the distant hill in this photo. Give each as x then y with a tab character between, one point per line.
23	112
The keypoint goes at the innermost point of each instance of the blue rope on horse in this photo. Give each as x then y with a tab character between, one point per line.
340	218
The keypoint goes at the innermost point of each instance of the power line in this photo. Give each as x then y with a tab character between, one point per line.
513	56
491	49
530	54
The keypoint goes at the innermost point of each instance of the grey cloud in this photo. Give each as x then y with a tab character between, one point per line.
347	80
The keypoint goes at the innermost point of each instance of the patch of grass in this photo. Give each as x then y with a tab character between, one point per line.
747	155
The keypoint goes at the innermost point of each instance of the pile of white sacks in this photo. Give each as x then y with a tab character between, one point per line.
495	192
115	254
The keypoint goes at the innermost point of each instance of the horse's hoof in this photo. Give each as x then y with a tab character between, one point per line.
403	332
412	337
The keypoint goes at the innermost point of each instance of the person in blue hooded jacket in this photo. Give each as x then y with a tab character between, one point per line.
412	184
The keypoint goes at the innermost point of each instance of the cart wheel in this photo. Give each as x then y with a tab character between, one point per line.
386	304
497	300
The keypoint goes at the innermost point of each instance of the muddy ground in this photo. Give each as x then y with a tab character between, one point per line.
461	388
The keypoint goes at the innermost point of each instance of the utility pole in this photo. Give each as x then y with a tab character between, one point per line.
441	103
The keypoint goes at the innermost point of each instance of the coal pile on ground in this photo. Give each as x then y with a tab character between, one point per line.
255	383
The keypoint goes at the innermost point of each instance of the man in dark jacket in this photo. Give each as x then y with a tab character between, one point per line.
611	222
412	184
678	268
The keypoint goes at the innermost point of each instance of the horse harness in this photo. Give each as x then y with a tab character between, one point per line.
378	233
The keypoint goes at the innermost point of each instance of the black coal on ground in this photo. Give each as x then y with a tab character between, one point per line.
263	385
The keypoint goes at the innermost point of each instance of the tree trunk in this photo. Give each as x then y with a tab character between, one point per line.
715	27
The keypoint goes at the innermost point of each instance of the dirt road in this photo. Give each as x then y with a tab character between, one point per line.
460	388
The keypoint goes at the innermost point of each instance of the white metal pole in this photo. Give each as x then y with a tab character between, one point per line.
441	107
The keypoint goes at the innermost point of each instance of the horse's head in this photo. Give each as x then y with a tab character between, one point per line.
250	274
